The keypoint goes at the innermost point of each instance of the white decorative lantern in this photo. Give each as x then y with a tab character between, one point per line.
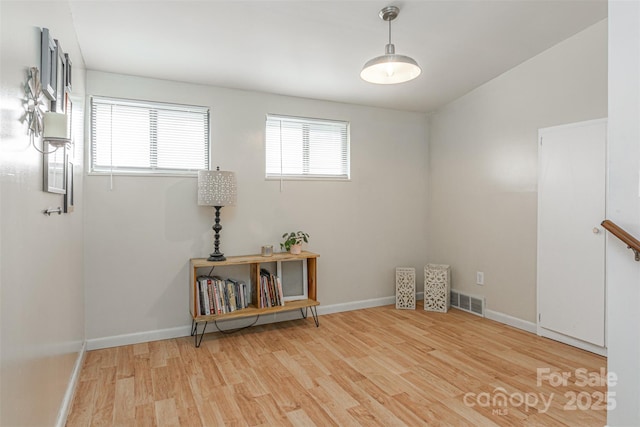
437	286
406	288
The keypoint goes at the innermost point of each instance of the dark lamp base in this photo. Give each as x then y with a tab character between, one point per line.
216	257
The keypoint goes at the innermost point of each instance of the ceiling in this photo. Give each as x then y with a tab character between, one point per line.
316	49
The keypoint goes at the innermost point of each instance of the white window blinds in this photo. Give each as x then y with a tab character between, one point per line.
148	137
306	148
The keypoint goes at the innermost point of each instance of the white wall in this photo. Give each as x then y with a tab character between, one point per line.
42	294
140	235
482	167
623	199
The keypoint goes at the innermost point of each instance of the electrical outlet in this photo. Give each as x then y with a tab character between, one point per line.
479	278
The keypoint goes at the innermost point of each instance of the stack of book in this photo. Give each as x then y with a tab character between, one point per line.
270	290
219	296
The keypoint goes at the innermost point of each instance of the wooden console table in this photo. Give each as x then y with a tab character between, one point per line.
254	309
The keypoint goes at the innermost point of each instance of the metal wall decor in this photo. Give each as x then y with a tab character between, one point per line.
67	68
55	169
54	84
48	58
34	102
50	211
58	104
69	203
69	195
55	160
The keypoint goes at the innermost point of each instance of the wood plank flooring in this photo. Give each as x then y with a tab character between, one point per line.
373	367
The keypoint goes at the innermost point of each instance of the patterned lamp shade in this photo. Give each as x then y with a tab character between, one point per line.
216	188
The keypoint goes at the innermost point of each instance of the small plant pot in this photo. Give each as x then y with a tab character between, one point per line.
295	249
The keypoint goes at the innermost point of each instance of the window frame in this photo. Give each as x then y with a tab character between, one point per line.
147	171
307	121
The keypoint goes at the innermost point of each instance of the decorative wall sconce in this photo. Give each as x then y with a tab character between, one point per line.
56	129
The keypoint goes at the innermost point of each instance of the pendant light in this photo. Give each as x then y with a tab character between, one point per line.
390	68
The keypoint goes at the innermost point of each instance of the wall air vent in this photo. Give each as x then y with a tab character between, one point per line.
468	303
454	298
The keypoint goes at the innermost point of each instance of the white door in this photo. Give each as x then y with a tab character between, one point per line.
571	242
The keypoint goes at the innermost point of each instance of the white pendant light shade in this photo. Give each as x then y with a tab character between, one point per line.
390	68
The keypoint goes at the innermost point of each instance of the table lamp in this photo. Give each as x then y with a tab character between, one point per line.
216	188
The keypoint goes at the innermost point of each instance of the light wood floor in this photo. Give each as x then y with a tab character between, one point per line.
373	367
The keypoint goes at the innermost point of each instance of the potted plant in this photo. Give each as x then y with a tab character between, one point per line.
293	241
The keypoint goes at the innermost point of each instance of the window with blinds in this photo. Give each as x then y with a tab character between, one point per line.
306	148
139	137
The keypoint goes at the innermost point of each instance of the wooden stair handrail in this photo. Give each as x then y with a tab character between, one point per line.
631	242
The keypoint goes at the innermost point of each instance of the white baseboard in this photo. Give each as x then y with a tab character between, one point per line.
511	321
533	328
602	351
356	305
63	412
138	337
185	331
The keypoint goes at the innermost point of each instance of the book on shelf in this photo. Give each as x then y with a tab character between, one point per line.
270	290
217	309
220	296
204	299
231	296
279	283
212	308
239	294
263	291
198	297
